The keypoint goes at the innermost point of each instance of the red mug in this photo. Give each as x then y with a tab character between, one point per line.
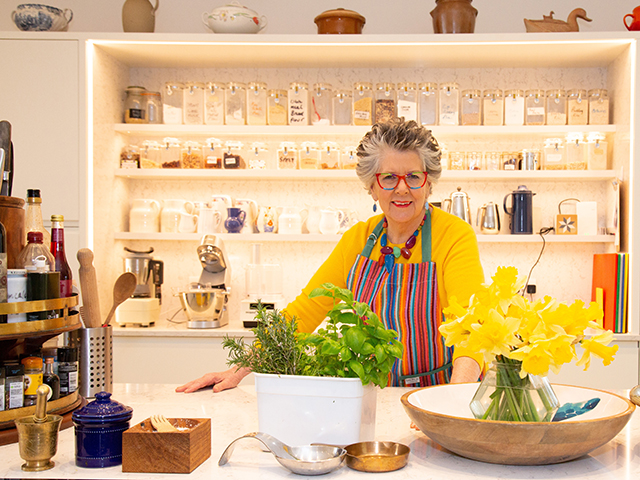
635	24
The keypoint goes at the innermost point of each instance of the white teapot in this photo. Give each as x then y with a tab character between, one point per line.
233	18
144	216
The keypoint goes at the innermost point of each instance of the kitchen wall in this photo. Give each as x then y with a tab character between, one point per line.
295	16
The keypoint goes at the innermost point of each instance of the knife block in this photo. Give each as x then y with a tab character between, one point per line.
12	217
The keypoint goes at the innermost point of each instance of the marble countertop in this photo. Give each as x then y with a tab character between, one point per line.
178	328
233	413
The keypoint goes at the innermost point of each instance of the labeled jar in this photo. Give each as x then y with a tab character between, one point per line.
553	157
362	103
277	105
529	159
510	160
68	370
577	107
214	103
385	104
13	385
474	161
342	107
407	97
16	292
298	98
492	161
233	155
257	103
154	107
556	107
492	107
349	157
428	103
597	158
575	151
212	153
534	107
514	107
457	161
470	107
449	104
321	101
32	379
287	156
172	103
330	156
598	107
130	157
191	155
258	156
308	156
170	153
135	106
235	104
150	154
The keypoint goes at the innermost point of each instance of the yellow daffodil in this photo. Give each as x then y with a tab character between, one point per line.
598	345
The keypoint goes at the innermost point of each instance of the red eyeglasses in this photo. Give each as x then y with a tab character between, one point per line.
413	180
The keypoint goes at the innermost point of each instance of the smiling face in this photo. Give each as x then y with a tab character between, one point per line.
403	207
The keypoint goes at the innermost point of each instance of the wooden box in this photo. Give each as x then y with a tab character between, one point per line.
148	451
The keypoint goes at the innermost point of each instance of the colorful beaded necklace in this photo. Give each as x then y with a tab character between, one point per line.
389	254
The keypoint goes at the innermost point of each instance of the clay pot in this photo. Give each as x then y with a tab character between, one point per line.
139	16
12	217
454	16
339	21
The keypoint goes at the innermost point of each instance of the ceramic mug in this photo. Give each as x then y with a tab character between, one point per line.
144	216
209	220
188	223
635	20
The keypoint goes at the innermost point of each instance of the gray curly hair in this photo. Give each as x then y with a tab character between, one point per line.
402	136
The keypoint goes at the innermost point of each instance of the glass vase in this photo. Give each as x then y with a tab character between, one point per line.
504	396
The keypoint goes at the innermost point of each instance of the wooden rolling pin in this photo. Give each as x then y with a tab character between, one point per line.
89	289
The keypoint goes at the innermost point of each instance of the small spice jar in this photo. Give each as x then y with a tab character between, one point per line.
330	156
407	96
212	153
362	103
575	151
514	107
257	103
233	155
308	156
277	107
235	104
534	107
556	107
577	107
598	107
474	161
172	103
457	161
510	160
170	153
449	104
553	155
428	103
150	154
470	107
287	156
130	157
154	107
135	107
298	99
258	156
385	104
214	103
32	378
13	385
191	155
597	158
349	157
16	292
342	107
68	369
492	107
321	101
492	161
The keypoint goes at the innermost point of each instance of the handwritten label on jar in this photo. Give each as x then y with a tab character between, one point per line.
298	109
514	111
214	110
599	113
362	111
492	112
577	112
286	159
407	109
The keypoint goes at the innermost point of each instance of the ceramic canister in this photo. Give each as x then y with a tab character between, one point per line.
99	426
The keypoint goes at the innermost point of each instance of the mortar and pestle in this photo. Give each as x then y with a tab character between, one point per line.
38	435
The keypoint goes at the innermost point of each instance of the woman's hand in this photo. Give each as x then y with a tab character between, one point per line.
220	380
465	370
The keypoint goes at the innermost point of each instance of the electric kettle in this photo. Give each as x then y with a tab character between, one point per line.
458	205
488	219
521	210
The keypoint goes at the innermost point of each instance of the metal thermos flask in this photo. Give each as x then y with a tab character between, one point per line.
521	211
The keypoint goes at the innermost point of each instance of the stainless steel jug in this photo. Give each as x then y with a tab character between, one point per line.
458	205
488	219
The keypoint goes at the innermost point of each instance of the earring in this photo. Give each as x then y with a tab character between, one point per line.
375	207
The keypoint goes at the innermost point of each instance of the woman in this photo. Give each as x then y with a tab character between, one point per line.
405	263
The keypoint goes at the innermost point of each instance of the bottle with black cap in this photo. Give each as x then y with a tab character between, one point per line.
68	370
33	217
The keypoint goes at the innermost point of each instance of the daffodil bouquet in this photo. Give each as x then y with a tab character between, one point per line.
524	339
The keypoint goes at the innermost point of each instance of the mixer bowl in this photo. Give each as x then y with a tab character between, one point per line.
204	304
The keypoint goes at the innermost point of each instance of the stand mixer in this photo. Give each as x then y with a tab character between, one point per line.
205	304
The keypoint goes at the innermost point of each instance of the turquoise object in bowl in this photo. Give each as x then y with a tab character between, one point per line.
34	17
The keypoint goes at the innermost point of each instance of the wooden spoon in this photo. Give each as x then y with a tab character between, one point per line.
122	289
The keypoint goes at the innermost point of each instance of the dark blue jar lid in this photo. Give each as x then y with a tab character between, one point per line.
103	410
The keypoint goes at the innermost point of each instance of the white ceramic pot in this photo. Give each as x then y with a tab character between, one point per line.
209	220
290	220
330	221
267	221
188	223
234	18
170	217
144	216
250	208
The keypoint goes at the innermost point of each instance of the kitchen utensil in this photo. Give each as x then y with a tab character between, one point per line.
489	219
304	460
339	21
521	211
89	288
458	205
34	17
95	348
635	20
6	156
205	308
148	272
161	424
234	18
377	456
123	288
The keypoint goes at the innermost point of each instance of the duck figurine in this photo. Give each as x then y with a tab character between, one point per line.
550	24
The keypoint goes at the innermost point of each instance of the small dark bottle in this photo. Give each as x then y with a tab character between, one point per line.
51	379
57	250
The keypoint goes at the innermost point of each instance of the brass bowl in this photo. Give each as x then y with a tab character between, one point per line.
377	456
442	413
339	21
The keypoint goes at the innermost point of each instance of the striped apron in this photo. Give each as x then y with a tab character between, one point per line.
406	300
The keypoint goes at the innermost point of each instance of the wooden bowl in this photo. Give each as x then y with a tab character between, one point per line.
339	21
442	413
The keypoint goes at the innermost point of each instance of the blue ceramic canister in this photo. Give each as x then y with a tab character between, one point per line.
99	426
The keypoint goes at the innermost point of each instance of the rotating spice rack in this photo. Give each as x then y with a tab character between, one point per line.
26	337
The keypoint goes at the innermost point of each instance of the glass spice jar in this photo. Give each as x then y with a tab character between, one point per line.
191	155
287	156
212	153
298	96
362	103
130	157
258	156
193	101
233	155
492	161
135	107
556	107
514	107
309	156
214	103
534	107
457	161
553	155
330	156
235	104
575	151
598	107
444	157
510	160
14	385
428	103
321	100
385	105
349	158
492	107
597	158
342	107
577	107
277	107
257	103
170	153
150	154
154	107
449	104
172	103
407	97
474	161
470	107
33	378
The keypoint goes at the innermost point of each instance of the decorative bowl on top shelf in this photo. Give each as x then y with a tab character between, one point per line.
442	413
34	17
